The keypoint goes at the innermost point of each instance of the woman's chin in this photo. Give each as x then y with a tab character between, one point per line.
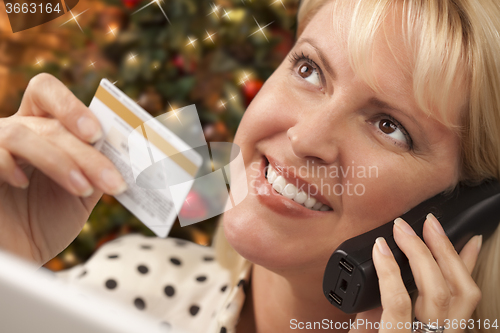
257	242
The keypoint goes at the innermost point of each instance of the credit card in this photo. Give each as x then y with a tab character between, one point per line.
147	154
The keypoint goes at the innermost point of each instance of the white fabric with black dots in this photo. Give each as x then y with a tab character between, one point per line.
177	281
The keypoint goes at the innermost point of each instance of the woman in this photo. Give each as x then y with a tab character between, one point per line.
408	88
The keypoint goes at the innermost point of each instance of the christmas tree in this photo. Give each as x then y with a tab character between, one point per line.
165	55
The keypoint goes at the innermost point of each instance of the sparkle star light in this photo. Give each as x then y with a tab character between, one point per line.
215	10
92	63
39	62
210	36
191	42
174	113
112	30
244	78
222	104
227	14
261	29
149	4
280	1
132	57
74	18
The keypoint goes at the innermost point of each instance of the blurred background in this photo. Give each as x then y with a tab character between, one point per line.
212	54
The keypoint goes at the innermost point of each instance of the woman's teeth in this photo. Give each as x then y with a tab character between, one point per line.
290	191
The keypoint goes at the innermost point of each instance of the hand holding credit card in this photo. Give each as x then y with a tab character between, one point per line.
133	140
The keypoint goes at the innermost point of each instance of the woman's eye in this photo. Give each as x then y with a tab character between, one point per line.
310	74
393	130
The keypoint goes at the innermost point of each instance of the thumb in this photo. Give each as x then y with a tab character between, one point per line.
366	321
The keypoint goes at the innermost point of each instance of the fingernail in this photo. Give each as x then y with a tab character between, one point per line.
404	226
435	224
89	128
113	181
479	242
382	246
20	178
80	183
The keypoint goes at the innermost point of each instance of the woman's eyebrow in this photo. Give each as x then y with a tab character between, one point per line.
321	56
374	101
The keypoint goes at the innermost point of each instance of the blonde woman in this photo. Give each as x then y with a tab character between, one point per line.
408	87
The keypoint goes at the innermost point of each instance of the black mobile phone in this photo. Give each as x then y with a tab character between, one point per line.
350	281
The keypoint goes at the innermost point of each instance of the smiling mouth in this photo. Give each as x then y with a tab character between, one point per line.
290	191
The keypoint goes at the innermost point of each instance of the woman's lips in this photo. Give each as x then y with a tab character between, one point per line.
289	190
277	202
290	176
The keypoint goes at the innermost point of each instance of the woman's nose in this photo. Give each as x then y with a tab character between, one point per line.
316	137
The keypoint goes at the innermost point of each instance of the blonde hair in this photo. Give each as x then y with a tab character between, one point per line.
455	44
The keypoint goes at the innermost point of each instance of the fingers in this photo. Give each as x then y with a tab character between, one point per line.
452	266
446	288
45	95
470	252
96	167
434	294
22	142
396	302
465	294
447	292
10	172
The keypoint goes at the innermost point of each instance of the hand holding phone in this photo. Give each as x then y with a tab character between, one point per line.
350	281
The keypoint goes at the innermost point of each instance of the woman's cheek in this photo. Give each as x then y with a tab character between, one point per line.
377	195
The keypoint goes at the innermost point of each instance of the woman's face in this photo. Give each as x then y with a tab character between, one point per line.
368	156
